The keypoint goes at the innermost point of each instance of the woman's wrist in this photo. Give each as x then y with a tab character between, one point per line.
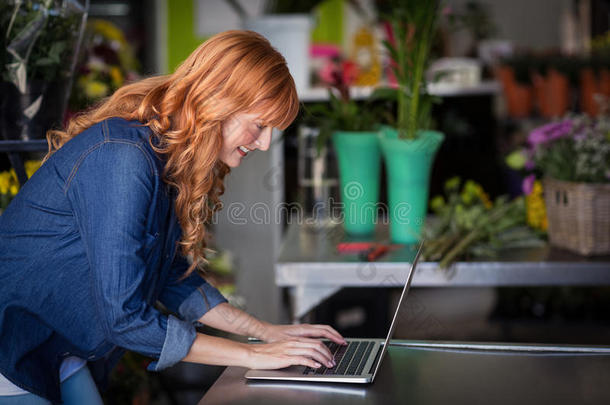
214	350
259	329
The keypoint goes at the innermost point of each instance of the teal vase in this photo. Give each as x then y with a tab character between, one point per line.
359	160
408	165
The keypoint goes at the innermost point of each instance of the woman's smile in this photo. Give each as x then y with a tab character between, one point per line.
243	150
243	133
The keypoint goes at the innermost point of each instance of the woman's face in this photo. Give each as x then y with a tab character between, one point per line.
242	133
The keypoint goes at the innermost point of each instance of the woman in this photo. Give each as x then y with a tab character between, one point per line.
101	231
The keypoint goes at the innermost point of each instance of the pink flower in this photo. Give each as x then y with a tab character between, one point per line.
350	72
327	71
528	184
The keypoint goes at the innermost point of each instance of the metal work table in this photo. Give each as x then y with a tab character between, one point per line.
443	375
311	268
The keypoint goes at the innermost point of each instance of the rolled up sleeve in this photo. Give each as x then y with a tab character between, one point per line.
178	341
190	297
111	192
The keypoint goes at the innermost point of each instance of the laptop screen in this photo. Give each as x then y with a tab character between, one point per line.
405	290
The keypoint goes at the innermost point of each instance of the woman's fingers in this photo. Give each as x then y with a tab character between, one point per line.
323	331
312	354
316	349
298	351
331	334
306	361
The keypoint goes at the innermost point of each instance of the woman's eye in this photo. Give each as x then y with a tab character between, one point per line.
260	126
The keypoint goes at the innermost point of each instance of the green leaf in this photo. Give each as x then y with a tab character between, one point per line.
56	50
384	93
391	49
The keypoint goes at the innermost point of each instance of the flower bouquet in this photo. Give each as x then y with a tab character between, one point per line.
107	63
468	224
409	147
572	157
38	48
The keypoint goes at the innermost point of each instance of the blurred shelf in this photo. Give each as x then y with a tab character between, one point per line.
34	145
490	87
313	270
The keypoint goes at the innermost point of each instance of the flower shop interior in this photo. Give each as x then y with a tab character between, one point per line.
479	126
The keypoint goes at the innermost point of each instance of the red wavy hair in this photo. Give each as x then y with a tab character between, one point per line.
232	72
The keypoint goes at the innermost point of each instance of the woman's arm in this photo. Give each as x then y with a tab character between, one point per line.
230	319
219	351
286	344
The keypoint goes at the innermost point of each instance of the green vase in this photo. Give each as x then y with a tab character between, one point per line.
408	166
359	159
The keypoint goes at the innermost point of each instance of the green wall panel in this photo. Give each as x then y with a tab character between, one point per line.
329	28
181	37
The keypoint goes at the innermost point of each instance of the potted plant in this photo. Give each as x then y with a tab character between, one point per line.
353	131
514	75
572	156
561	74
410	145
594	81
40	40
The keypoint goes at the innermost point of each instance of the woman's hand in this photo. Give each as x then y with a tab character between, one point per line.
295	352
276	333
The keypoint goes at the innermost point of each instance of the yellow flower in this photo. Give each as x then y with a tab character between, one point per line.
31	166
470	192
452	184
437	203
5	182
95	89
535	208
14	189
116	76
108	30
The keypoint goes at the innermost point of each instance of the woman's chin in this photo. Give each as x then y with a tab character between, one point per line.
233	162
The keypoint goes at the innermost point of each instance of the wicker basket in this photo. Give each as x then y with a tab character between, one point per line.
578	216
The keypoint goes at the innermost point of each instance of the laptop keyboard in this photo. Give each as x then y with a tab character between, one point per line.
350	359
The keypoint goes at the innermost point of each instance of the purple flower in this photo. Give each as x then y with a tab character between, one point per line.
549	132
537	136
528	184
530	165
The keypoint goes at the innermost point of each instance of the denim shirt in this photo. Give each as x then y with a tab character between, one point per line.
87	248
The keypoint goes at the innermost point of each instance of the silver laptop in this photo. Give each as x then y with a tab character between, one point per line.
358	362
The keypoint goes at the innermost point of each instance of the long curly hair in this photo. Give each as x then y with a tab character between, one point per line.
232	72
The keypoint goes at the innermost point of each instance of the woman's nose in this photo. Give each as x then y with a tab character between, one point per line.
264	140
